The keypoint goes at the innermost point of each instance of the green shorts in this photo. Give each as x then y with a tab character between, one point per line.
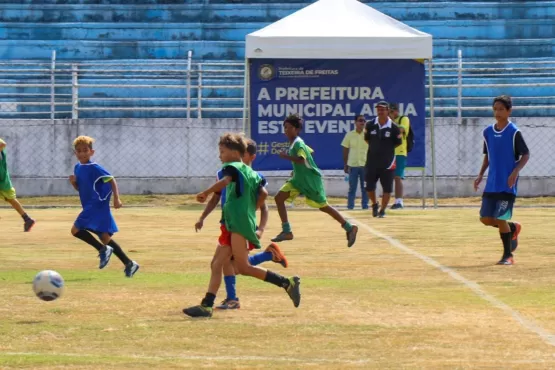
8	194
294	193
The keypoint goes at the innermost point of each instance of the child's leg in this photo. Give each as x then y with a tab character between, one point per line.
286	233
351	230
107	240
29	222
221	256
87	237
231	301
241	261
271	253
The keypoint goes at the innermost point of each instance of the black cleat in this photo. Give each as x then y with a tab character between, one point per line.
294	290
198	311
352	236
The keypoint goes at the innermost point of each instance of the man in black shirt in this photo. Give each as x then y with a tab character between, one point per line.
382	136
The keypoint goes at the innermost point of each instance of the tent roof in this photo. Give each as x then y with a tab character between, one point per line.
338	29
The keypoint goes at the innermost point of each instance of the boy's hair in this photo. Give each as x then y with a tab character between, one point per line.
87	140
359	116
294	120
505	100
234	142
251	146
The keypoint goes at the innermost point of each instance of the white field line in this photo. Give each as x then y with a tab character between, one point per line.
528	324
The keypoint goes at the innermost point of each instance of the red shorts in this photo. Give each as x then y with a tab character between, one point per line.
225	238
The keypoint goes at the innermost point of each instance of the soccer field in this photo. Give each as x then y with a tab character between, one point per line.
427	296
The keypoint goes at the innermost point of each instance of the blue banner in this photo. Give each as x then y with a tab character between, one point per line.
328	94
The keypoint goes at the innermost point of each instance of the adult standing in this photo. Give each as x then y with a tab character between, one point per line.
401	153
355	149
382	136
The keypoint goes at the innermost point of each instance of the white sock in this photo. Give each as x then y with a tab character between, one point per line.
399	201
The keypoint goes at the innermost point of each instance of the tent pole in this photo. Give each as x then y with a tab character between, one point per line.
432	130
246	96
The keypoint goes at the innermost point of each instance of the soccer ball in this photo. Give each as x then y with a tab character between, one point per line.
48	285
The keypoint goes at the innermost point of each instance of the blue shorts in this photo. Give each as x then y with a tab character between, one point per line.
498	209
401	164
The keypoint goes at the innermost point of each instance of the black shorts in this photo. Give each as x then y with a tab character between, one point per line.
384	175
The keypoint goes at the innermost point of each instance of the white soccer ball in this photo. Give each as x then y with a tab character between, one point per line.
48	285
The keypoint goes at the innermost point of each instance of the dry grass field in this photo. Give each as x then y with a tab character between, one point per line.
418	290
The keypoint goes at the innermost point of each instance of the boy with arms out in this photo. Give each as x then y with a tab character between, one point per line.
7	191
245	193
272	252
95	186
505	153
306	180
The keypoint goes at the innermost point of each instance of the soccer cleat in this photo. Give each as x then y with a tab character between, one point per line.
277	255
507	261
198	311
375	209
105	256
283	236
28	225
229	304
131	269
294	290
381	214
397	206
514	240
352	236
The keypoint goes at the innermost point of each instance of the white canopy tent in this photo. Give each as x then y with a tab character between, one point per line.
340	29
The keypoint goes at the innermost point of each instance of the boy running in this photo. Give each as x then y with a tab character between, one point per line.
306	180
95	186
505	153
272	252
7	191
245	193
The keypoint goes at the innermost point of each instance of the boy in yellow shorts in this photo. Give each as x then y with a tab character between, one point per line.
306	180
7	191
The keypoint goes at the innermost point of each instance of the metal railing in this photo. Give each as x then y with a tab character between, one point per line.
60	89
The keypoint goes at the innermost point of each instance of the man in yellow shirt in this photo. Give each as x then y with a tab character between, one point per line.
403	123
354	157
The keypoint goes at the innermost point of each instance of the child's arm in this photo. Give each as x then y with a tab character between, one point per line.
264	215
210	206
73	182
521	163
292	158
485	165
2	145
216	188
115	190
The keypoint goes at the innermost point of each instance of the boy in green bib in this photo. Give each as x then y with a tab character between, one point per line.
245	193
306	180
7	191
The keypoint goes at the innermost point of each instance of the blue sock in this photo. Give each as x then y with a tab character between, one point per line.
230	287
258	258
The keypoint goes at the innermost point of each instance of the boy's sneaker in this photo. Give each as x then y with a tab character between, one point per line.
282	237
375	209
229	304
514	240
28	225
294	290
397	206
198	311
507	261
131	269
352	236
277	254
105	256
381	214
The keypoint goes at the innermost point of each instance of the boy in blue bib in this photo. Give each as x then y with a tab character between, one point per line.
505	153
